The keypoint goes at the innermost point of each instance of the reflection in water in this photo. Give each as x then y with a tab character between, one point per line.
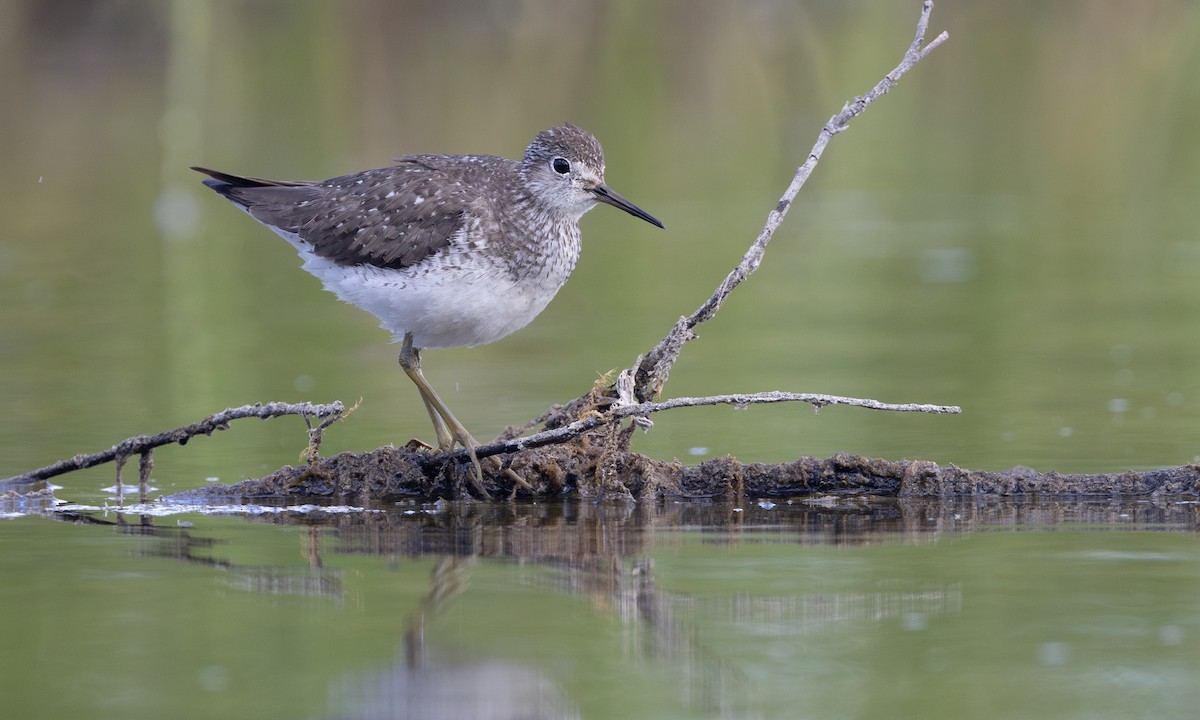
179	543
675	628
589	549
912	603
315	580
581	536
487	690
418	688
706	680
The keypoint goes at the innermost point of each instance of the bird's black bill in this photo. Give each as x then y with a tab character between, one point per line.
612	197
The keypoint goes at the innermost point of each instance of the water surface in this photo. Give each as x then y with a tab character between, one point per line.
867	608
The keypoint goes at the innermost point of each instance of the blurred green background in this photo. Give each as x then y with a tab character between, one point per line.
1010	230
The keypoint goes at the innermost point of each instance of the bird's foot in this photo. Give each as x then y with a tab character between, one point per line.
416	445
459	435
495	462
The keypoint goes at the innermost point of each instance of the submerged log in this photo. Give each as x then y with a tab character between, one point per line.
594	469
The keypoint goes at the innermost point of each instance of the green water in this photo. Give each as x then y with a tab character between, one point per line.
884	609
1011	230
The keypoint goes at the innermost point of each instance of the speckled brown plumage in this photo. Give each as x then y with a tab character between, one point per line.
455	249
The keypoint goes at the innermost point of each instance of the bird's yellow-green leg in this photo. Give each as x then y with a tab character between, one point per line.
447	427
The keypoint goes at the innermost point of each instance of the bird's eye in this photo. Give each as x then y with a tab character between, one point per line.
561	165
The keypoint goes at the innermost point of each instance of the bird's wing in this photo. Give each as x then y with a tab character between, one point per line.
391	217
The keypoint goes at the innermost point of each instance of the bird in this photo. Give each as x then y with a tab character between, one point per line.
445	250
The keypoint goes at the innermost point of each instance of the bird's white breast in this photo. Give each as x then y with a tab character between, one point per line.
451	299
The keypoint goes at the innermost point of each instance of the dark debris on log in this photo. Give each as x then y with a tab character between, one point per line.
588	469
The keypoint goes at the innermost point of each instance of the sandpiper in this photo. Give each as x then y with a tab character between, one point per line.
446	250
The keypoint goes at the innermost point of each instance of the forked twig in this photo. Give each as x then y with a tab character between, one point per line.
651	370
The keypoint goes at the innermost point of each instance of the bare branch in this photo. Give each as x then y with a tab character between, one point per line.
640	410
650	372
817	400
143	444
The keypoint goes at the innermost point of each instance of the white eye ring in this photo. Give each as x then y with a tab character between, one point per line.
560	165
